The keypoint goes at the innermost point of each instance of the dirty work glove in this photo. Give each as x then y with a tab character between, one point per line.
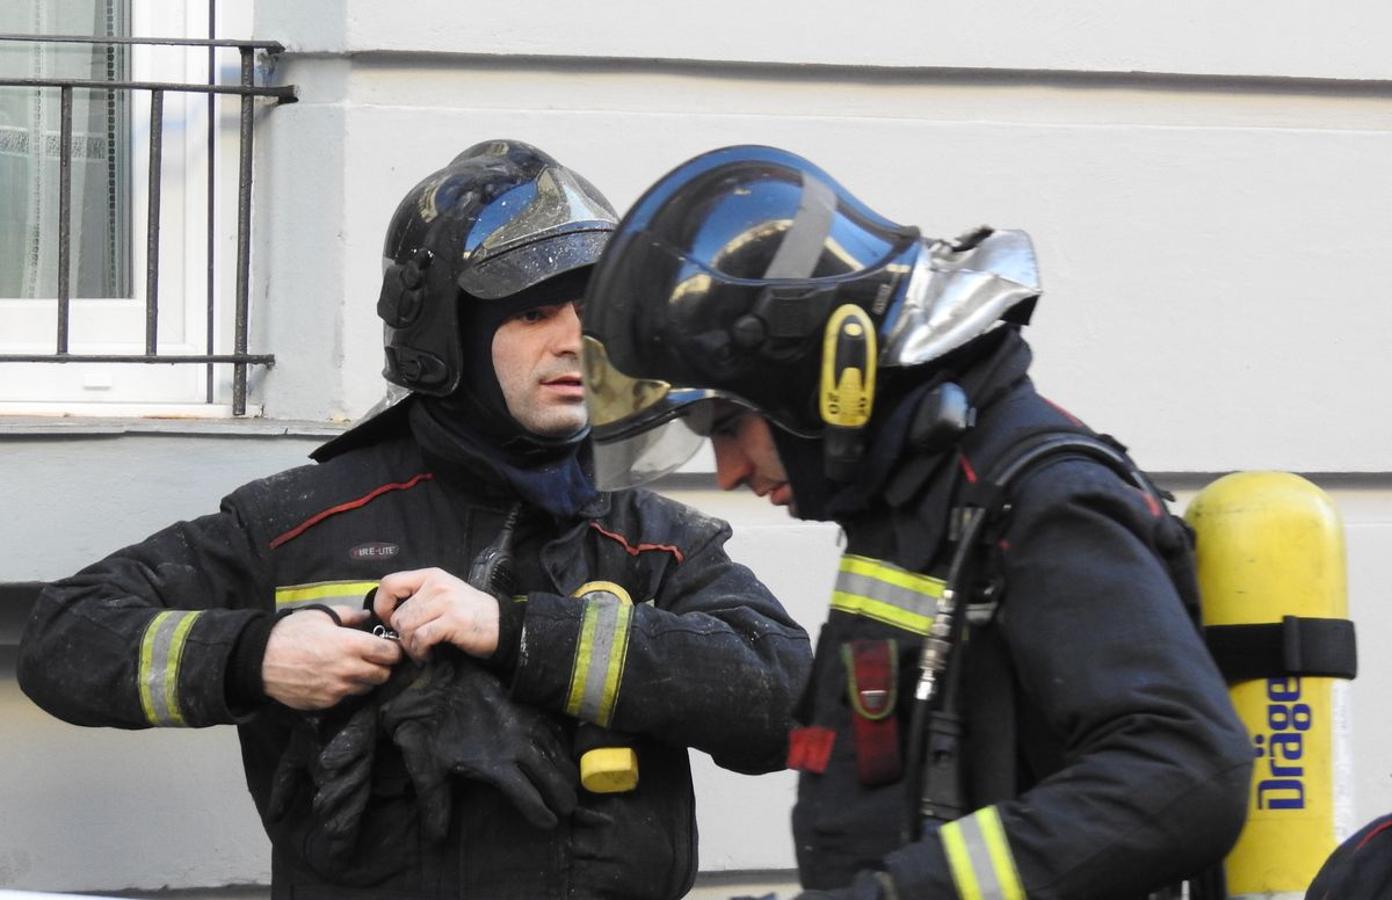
336	760
456	719
344	778
295	766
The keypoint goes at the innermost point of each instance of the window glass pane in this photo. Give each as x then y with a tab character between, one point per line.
30	126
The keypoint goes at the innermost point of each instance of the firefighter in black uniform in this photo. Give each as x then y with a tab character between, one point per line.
540	617
855	371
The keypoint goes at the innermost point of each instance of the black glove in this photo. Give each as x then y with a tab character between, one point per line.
295	767
456	719
335	758
344	778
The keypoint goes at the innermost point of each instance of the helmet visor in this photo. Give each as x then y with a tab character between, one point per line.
518	268
625	462
642	429
535	231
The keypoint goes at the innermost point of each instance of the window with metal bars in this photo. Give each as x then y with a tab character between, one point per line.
106	139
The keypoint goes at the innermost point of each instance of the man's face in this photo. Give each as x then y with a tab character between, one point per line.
536	355
745	454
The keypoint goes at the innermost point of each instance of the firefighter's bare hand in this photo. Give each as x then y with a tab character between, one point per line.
313	663
442	609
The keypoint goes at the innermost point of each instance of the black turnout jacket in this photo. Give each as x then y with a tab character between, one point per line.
1128	765
704	657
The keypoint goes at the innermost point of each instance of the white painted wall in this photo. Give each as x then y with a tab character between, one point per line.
1290	38
1203	244
1207	185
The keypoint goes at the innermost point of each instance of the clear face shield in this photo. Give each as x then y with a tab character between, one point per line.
641	428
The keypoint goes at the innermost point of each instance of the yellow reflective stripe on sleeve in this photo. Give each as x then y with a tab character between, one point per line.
161	651
886	593
600	654
351	592
979	856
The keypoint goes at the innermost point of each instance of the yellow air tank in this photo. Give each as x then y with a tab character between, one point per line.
1270	545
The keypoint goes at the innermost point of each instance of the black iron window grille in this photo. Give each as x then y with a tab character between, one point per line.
240	359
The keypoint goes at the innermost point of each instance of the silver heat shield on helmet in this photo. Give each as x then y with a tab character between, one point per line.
959	290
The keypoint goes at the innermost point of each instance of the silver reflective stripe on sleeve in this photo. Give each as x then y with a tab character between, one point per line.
599	656
979	856
161	650
886	593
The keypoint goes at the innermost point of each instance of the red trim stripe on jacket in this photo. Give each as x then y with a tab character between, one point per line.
631	550
344	507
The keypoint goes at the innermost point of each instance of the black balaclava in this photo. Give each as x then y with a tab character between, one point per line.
473	425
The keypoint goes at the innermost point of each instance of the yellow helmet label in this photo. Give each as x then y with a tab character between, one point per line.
849	353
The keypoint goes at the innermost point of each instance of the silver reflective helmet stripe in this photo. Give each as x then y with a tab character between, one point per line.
161	651
979	856
805	239
955	295
599	657
292	596
886	593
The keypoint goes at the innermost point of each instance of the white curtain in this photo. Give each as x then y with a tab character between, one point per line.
29	152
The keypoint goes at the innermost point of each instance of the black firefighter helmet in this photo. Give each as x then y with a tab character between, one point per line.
749	275
502	217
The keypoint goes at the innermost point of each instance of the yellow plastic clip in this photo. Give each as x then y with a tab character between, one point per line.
848	368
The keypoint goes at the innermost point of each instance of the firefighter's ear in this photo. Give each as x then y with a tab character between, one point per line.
943	415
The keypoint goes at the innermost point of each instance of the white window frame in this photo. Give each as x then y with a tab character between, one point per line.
117	325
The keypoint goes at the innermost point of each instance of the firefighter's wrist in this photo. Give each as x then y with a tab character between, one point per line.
511	614
243	685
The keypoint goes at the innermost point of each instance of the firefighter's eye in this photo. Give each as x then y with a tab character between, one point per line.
723	420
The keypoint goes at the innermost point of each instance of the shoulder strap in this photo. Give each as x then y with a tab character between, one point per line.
937	716
991	490
1294	646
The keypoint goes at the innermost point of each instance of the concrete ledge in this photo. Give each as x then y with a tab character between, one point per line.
84	425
